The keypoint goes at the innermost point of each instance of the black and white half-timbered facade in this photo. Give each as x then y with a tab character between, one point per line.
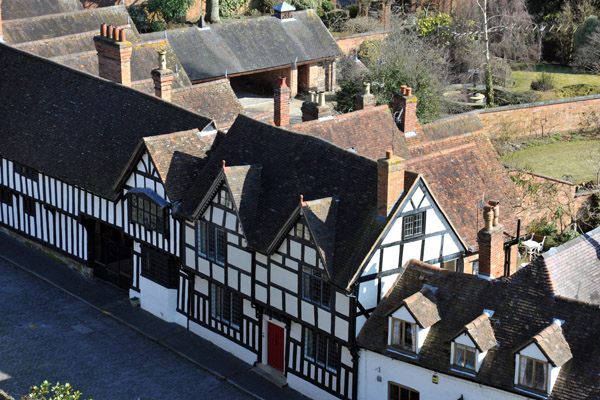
271	244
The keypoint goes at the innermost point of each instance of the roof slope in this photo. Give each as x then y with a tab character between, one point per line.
294	164
214	99
553	344
16	9
523	306
422	308
57	25
244	185
179	157
481	332
321	216
251	44
71	125
61	46
574	267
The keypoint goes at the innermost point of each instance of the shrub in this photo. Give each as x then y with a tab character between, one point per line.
581	89
57	392
362	24
353	10
508	98
327	6
171	10
229	8
157	26
139	17
583	33
545	82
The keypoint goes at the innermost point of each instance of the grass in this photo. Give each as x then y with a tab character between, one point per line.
565	76
559	159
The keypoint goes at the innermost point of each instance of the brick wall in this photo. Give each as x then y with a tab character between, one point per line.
536	118
348	45
491	252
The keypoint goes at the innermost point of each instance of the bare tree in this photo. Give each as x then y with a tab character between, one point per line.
489	80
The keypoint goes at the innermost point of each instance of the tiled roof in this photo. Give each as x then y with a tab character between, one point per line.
251	44
294	164
459	164
178	158
524	305
244	183
481	332
65	45
321	216
58	25
423	309
553	344
74	126
369	132
574	267
16	9
214	99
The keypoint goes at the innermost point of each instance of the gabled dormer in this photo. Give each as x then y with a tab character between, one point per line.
409	324
538	362
470	346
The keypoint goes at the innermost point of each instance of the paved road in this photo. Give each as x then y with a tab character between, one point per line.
47	334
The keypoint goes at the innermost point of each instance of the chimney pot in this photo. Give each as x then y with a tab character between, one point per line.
322	99
123	36
312	96
403	89
115	34
282	82
388	154
408	91
366	88
103	30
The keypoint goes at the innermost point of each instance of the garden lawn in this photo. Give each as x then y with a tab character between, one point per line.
565	76
559	159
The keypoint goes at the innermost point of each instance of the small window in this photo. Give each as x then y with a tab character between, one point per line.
475	267
464	356
321	350
25	171
212	242
146	212
413	225
29	206
6	196
533	373
403	335
159	267
315	287
225	306
225	199
302	232
450	265
397	392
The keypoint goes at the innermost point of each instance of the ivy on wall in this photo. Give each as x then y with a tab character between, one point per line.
229	8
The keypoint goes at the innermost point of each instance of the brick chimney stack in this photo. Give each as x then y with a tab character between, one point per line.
491	242
405	107
366	99
162	77
316	108
114	54
281	115
390	183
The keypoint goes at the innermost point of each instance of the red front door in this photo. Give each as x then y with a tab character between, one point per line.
275	350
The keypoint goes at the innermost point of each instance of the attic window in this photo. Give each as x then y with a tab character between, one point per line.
301	231
225	198
413	225
145	211
533	373
464	356
403	335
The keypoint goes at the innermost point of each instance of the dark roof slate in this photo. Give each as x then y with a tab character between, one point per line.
179	157
58	25
574	267
74	126
321	217
214	99
16	9
523	304
251	44
244	185
65	45
294	164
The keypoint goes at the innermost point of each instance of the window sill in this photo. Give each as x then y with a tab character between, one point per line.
532	392
464	371
404	353
316	303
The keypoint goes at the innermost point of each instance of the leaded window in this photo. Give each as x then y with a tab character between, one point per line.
225	306
225	198
159	267
403	335
212	242
315	287
146	212
397	392
29	206
6	196
464	356
301	231
413	225
321	350
27	172
533	373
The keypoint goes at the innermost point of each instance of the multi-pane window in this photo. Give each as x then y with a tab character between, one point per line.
301	231
225	199
533	373
147	213
315	287
6	196
26	171
464	356
225	306
321	350
160	267
212	242
413	225
397	392
403	335
29	206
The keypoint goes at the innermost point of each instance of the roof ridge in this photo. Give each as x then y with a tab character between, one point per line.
167	135
72	35
439	153
72	55
66	13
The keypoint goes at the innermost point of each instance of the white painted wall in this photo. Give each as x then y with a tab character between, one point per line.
308	389
371	365
158	300
224	343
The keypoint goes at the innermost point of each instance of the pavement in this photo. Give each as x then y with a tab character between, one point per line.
48	310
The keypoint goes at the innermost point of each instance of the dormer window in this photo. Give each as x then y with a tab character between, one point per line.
148	209
403	335
464	356
533	373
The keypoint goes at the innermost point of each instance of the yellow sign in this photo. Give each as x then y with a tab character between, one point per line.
435	379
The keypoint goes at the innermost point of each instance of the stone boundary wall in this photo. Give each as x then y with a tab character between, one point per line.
547	117
349	44
5	396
